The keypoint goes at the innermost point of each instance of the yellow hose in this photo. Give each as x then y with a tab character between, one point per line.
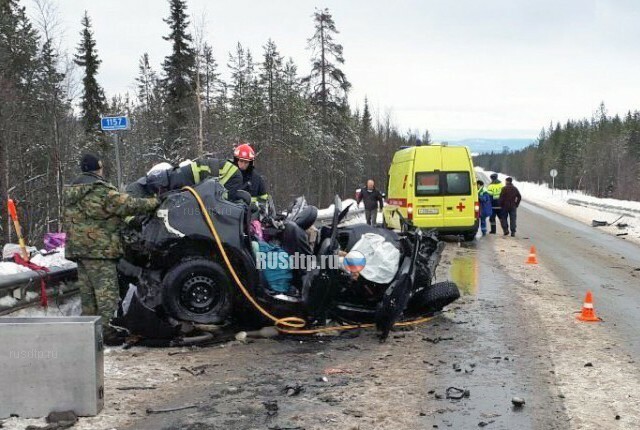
287	325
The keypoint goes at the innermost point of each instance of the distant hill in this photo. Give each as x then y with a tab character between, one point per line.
481	146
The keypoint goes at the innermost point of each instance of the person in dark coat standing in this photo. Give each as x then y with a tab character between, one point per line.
94	216
510	199
371	197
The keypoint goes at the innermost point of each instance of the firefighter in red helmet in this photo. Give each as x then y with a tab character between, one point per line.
243	157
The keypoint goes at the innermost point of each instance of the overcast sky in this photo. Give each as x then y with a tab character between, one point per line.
463	68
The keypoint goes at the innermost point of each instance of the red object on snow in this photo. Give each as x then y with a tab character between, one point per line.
40	270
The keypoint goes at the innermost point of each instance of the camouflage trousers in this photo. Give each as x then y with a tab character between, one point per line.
98	285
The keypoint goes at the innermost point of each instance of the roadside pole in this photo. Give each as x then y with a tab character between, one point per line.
553	173
114	124
118	165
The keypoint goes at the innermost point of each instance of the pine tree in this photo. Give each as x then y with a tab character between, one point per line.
146	81
633	144
54	107
246	105
18	61
149	118
295	122
210	76
93	100
329	85
366	121
179	73
271	81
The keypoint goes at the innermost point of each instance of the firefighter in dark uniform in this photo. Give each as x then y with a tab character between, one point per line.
252	181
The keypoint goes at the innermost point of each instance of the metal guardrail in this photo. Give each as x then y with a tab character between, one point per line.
36	301
629	212
18	285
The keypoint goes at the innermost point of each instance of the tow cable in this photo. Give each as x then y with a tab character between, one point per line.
286	325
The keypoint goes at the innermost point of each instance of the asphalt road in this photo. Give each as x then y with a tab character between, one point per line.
584	258
513	334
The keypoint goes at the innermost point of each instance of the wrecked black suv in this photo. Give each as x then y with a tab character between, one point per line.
194	261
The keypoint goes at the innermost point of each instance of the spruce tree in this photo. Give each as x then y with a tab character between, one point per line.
178	82
93	101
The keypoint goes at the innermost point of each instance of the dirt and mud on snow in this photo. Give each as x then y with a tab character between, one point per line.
512	335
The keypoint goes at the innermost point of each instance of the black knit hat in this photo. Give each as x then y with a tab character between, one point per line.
90	163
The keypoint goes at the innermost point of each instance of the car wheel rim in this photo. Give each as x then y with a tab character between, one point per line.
200	294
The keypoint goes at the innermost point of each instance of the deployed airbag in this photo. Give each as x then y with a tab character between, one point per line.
382	258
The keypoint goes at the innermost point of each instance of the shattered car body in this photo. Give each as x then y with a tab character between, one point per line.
178	272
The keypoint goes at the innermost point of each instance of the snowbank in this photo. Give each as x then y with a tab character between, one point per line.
582	207
70	307
327	213
9	268
55	259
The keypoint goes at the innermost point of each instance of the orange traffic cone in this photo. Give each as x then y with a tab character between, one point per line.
588	313
532	256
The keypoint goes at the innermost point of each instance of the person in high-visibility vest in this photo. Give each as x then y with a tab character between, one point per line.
244	157
231	178
494	189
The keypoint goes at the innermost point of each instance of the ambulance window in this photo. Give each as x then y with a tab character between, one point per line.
427	184
458	183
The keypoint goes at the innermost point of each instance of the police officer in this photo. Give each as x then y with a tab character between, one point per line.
93	217
494	189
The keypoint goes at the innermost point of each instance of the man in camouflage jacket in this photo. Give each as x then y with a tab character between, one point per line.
93	217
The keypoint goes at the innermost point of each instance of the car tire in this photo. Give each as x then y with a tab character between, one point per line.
434	298
470	236
197	290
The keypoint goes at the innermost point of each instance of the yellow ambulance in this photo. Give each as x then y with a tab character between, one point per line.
435	187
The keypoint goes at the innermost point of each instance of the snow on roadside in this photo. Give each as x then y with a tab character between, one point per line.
590	208
55	259
327	213
70	307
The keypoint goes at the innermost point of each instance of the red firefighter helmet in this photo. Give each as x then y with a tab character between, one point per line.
244	152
